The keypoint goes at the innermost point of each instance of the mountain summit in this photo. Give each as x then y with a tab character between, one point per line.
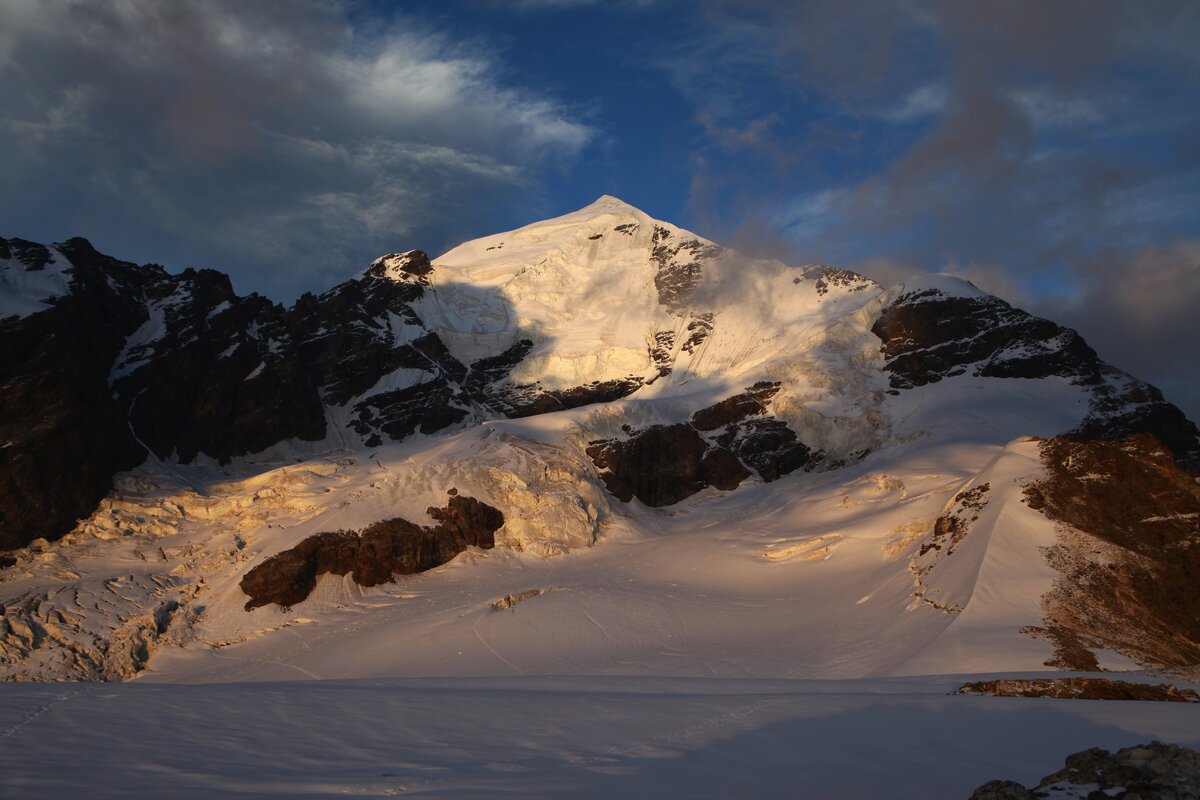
887	475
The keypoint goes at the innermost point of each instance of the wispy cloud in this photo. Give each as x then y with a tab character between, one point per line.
922	102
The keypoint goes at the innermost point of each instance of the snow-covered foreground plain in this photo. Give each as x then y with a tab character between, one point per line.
599	737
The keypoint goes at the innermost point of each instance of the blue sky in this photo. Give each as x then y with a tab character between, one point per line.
1047	151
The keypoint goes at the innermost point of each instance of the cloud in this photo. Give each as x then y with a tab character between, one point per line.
1027	117
1046	109
274	139
554	5
921	103
1137	308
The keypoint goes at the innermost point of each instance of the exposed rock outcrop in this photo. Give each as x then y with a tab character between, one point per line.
664	464
366	346
211	372
373	555
679	266
952	527
488	384
62	434
833	276
929	335
1080	689
510	601
1127	552
1152	771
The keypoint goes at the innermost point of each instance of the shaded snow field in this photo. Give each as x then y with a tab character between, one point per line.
594	737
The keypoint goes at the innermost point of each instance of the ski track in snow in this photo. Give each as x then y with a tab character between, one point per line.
16	729
492	650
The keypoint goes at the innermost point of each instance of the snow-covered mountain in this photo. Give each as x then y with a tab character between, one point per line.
595	444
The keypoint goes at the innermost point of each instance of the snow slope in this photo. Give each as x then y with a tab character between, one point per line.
809	576
25	290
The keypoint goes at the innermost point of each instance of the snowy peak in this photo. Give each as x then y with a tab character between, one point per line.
571	231
608	203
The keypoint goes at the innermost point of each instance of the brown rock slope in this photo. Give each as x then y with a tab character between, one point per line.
373	555
1128	552
1080	689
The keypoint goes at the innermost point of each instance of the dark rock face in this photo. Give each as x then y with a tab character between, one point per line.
767	445
659	465
486	372
1152	771
832	276
1123	406
487	383
132	358
365	329
679	266
34	256
63	435
660	353
698	330
397	414
1128	561
129	358
373	555
928	336
663	464
770	447
222	377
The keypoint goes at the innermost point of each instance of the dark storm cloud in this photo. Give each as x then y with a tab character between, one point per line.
268	138
1138	309
1030	113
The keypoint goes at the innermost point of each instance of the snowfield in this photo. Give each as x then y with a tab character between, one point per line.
595	737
